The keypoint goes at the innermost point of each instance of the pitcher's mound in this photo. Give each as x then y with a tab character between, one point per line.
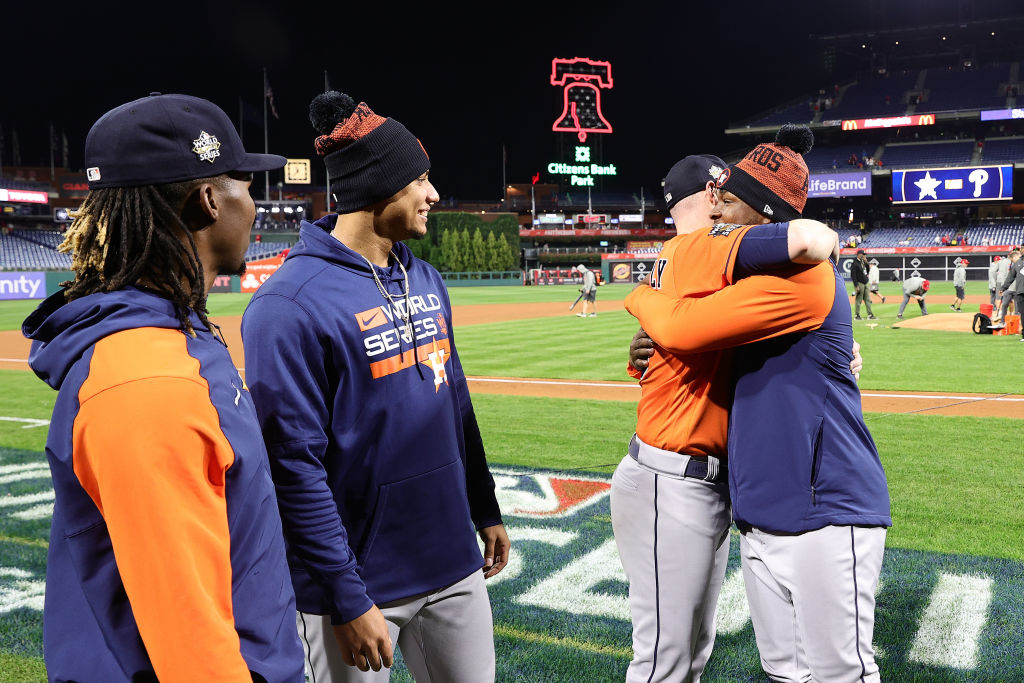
948	322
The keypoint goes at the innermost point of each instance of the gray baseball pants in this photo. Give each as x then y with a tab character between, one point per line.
812	601
906	298
445	637
672	534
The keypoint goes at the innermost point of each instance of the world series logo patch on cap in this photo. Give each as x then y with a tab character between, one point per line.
206	147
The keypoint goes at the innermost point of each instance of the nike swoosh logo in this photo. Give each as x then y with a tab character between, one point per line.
369	320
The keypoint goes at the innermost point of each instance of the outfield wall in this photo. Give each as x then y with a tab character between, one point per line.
630	267
39	284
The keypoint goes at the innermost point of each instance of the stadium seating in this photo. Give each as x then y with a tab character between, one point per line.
950	89
867	98
821	159
261	250
796	113
13	184
907	236
17	253
998	150
919	155
998	234
37	250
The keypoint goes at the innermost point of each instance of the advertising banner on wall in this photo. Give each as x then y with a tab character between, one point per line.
22	286
257	272
857	184
889	122
222	284
956	184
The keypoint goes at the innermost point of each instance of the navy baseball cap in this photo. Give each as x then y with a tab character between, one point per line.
166	139
690	175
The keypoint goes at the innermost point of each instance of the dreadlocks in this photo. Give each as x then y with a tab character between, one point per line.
123	236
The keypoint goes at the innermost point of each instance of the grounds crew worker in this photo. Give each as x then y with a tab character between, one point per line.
859	275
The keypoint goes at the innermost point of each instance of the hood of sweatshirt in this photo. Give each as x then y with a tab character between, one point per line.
316	240
61	331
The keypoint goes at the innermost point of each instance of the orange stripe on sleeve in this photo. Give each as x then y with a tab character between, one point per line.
754	309
150	452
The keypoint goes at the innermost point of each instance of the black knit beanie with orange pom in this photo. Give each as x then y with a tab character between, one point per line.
368	157
772	178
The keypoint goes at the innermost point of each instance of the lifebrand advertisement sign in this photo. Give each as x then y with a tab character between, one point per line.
856	184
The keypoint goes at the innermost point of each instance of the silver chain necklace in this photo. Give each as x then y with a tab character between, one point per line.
405	310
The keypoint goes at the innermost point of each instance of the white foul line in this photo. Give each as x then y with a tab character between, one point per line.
629	385
951	398
30	422
557	382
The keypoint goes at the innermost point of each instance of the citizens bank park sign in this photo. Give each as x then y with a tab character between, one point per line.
582	81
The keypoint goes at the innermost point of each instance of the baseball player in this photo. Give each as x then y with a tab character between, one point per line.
671	489
806	484
374	445
589	292
959	282
166	559
914	287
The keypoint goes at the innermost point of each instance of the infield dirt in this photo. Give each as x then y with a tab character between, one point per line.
14	350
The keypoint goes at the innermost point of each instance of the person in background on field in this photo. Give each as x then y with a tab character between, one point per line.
993	284
916	288
166	558
859	275
873	274
1004	296
959	282
374	446
1016	280
895	275
589	291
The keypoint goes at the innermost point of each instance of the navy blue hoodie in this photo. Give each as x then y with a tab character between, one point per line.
166	557
374	446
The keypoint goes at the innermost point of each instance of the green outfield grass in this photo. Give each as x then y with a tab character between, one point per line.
954	481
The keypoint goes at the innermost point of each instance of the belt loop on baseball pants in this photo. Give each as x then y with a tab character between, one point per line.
707	468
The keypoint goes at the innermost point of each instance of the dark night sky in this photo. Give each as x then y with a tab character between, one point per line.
465	79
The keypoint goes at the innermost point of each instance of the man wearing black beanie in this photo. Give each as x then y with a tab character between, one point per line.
374	445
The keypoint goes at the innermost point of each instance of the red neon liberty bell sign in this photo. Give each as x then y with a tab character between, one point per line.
581	80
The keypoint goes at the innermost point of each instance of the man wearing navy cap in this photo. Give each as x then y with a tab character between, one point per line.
670	500
167	558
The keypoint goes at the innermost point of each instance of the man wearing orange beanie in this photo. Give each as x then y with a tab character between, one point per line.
806	484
